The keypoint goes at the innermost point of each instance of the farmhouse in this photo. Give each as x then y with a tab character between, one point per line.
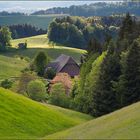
65	64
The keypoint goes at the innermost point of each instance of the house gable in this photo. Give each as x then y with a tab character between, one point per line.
65	64
71	67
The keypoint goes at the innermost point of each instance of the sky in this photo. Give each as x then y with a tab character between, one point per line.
31	6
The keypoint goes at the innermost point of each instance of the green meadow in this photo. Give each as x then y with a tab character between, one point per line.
37	21
21	117
40	42
121	124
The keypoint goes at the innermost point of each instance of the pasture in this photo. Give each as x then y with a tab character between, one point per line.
121	124
41	21
21	117
41	43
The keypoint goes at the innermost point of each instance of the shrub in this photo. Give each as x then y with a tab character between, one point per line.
36	90
25	78
58	96
5	37
40	62
50	73
6	84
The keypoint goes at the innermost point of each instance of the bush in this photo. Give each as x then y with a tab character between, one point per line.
58	96
50	73
5	37
6	84
36	90
25	78
40	62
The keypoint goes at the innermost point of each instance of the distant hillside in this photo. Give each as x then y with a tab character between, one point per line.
37	21
95	9
121	124
22	118
5	13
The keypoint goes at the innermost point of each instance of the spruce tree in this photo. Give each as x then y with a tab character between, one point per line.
128	87
129	29
104	97
94	47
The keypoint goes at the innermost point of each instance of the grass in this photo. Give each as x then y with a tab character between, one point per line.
11	67
37	21
40	42
121	124
22	118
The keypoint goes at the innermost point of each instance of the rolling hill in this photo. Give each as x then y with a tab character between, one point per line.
121	124
22	118
40	42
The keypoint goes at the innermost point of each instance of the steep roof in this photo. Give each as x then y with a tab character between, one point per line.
60	62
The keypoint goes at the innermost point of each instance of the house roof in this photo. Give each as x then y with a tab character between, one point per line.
60	62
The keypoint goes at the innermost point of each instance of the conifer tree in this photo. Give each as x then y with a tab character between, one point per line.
128	87
104	98
94	46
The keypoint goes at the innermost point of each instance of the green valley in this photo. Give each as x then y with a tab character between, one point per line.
69	72
121	124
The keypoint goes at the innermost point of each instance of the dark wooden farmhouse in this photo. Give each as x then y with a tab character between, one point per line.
65	64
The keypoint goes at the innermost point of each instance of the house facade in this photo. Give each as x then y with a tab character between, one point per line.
65	64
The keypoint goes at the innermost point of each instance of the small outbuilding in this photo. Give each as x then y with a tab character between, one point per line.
65	64
22	46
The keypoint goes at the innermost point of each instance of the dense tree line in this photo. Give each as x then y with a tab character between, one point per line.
5	13
25	30
77	31
110	79
95	9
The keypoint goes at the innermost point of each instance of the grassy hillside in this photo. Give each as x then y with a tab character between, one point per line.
11	66
122	124
21	117
40	42
38	21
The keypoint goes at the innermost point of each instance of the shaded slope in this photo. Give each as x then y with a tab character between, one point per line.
21	117
122	124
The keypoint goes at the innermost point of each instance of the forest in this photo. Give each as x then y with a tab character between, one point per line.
77	31
109	73
24	30
95	9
